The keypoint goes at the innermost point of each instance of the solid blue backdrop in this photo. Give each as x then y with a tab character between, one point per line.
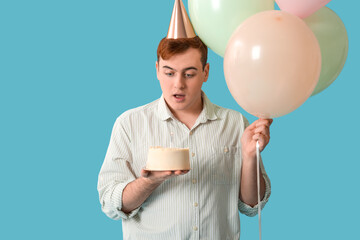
69	68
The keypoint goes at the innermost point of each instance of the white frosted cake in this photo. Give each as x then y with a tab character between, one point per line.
163	159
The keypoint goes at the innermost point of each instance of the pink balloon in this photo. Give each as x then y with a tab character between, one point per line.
272	64
301	8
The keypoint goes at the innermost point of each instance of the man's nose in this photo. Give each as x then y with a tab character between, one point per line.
179	82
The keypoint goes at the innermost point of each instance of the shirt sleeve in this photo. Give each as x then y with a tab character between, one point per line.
116	173
245	208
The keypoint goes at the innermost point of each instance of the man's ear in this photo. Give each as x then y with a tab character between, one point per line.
206	70
157	69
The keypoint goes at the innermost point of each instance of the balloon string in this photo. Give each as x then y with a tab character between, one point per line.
258	184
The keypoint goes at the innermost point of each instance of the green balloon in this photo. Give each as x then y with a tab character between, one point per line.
334	44
215	20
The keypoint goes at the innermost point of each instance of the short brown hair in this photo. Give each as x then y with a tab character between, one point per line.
169	47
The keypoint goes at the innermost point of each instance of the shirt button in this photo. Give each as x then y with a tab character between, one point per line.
195	228
196	204
193	154
226	149
191	133
194	181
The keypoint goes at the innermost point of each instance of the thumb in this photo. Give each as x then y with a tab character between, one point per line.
251	126
144	173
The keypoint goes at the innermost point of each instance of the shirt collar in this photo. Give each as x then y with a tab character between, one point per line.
163	110
208	112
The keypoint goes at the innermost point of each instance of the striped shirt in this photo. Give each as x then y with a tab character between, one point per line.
202	204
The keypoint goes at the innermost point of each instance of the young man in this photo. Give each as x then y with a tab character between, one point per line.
202	203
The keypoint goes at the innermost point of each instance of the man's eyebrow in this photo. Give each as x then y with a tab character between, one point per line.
189	68
168	67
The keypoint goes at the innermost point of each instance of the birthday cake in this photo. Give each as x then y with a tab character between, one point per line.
168	159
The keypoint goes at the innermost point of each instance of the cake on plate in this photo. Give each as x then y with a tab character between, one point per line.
168	159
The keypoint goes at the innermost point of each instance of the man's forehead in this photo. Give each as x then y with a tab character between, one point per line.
181	62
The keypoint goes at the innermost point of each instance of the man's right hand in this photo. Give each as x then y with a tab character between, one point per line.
157	177
137	191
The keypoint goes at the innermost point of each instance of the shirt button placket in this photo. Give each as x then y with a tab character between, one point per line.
194	180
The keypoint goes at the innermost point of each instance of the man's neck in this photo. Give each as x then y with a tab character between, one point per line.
189	117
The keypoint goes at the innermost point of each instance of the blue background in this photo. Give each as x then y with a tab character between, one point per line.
69	68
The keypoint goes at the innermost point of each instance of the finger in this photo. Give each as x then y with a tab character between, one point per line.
256	136
263	135
261	144
263	141
144	173
178	172
262	128
267	119
264	131
252	126
266	122
184	172
260	137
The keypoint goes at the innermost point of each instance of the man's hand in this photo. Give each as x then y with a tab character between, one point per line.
136	192
156	177
257	131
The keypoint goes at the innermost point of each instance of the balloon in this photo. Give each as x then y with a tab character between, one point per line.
215	20
272	64
334	44
301	8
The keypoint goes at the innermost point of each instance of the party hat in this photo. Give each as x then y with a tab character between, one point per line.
180	25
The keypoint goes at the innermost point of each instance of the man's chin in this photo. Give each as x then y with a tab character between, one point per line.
178	106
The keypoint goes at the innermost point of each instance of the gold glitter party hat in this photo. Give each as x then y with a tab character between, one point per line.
180	25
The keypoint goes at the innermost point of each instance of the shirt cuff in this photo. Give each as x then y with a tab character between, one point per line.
252	211
114	211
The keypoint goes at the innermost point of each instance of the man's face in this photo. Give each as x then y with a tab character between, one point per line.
181	78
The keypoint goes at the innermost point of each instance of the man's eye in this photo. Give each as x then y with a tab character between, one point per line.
189	75
169	74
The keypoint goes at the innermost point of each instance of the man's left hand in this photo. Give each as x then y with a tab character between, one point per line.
257	131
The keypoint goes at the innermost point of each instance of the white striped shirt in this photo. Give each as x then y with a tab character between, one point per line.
202	204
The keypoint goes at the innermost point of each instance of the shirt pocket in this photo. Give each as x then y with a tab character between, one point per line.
224	164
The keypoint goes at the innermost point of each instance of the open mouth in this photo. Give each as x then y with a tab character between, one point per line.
179	96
